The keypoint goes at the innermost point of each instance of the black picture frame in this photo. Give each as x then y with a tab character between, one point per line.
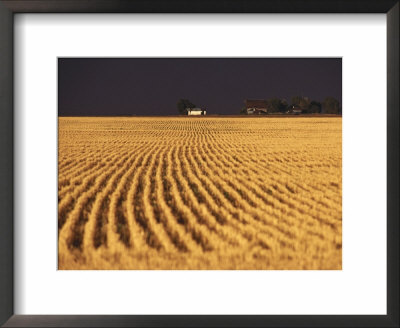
10	7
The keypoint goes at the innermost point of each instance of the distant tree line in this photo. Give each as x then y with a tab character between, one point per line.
330	105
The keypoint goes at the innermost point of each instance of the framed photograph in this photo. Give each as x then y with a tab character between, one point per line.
199	164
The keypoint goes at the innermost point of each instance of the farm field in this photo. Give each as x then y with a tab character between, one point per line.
210	193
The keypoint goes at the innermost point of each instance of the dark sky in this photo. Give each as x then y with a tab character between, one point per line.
153	86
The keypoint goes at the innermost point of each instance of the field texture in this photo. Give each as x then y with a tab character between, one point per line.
200	193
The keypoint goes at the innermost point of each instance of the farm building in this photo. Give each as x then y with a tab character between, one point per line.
196	111
256	106
296	110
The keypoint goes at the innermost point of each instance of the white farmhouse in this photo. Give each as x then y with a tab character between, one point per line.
196	111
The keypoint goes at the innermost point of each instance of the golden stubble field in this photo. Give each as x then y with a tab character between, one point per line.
200	193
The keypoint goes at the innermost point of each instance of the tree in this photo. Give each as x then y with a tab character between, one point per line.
331	106
283	106
277	105
243	111
183	104
315	107
304	103
273	105
296	100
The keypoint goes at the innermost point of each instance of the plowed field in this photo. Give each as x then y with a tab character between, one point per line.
200	193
